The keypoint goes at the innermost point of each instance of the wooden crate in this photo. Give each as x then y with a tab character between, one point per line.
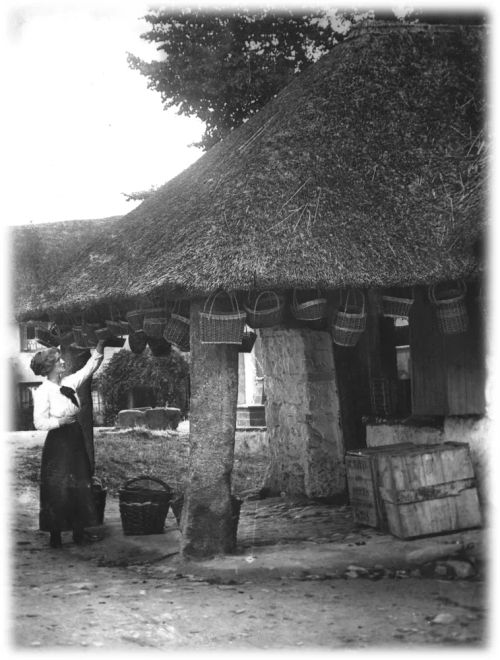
363	482
428	489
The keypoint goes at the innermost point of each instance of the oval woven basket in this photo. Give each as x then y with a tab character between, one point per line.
266	311
313	309
396	306
450	307
350	322
144	502
221	327
176	331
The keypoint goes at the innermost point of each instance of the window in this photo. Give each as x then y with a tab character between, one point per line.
97	403
26	395
27	336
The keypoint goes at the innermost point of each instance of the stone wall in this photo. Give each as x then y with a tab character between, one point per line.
302	413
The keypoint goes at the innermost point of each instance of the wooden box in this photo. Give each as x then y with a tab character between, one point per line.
428	489
363	482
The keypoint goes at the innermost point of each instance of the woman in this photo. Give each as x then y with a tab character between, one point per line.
66	501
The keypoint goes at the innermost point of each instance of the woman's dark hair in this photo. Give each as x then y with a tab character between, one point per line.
43	362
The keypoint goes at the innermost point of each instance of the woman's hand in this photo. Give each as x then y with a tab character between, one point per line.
67	419
100	347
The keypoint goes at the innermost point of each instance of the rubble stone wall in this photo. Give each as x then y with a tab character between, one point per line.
302	413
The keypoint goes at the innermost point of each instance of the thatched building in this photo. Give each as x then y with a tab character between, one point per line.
367	171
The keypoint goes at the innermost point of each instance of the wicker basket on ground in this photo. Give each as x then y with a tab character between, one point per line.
350	321
144	503
307	308
218	326
265	310
451	311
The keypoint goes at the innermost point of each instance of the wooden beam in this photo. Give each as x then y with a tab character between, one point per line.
206	522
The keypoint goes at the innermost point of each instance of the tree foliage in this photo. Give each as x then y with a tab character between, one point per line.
168	378
223	66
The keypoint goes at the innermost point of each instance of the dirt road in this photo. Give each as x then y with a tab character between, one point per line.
60	598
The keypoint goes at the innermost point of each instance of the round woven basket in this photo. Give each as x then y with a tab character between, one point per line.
266	310
144	503
450	307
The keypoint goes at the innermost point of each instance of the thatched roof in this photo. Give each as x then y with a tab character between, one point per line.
44	253
367	170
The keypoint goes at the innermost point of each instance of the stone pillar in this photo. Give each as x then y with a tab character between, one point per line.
206	522
302	414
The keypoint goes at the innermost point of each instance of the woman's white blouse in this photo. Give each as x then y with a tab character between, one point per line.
49	405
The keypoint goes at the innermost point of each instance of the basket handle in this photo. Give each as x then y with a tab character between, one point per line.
148	478
261	294
231	296
462	287
349	290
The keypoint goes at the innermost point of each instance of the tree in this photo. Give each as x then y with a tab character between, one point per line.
222	67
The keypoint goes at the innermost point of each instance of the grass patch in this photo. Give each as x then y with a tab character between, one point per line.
122	455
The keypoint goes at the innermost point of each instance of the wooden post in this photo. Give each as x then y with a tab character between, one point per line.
75	360
206	522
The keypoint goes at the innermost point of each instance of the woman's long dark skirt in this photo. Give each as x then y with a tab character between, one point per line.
66	500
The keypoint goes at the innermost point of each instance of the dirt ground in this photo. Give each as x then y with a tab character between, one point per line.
66	599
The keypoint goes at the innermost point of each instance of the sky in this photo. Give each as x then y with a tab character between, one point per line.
83	127
80	127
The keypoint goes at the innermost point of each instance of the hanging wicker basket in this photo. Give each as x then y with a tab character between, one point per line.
137	342
89	334
176	331
313	309
247	342
159	346
135	319
154	326
47	333
450	308
144	503
350	321
266	311
78	339
221	327
397	306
